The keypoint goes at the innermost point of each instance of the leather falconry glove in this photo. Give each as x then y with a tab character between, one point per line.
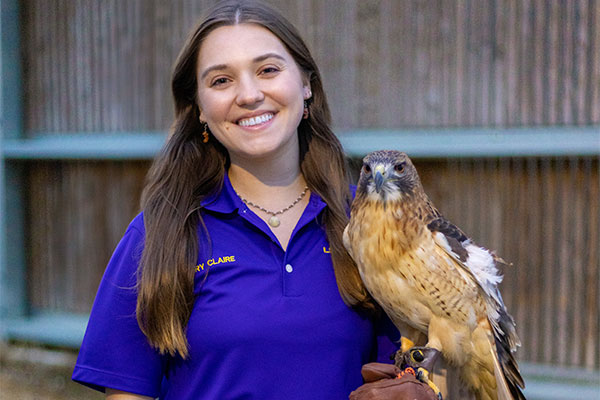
388	382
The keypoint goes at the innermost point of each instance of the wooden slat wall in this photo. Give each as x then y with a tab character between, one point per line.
78	211
104	66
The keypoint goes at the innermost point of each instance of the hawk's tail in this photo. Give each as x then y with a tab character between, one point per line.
506	368
492	372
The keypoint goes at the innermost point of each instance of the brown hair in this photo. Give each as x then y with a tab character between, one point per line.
187	170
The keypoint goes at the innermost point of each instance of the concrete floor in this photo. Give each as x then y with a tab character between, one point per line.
37	374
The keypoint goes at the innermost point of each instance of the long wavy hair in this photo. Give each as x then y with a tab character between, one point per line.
187	170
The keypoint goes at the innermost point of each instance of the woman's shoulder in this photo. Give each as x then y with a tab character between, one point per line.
137	223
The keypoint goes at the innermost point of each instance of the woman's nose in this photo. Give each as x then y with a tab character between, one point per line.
249	92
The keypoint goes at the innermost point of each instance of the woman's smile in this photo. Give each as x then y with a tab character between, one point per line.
256	121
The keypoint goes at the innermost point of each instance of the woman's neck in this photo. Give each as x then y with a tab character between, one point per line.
269	182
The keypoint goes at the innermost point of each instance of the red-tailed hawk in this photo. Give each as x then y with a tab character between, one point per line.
430	278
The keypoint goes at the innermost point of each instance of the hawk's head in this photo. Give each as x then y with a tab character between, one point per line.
389	175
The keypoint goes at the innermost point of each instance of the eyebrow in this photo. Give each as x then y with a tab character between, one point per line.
255	60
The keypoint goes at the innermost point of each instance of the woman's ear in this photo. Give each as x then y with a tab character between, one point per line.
307	94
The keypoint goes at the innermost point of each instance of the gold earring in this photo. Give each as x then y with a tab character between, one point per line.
306	111
205	133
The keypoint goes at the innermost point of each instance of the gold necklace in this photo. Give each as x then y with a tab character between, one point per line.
274	221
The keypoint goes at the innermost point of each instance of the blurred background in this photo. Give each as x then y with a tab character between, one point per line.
497	101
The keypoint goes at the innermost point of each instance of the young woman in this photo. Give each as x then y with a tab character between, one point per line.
234	283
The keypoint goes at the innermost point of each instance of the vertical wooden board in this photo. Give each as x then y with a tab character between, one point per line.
388	85
481	186
498	83
45	235
436	93
533	263
81	78
574	353
547	332
459	100
580	64
487	63
339	59
408	88
446	38
31	68
447	202
55	65
554	62
37	233
562	246
566	58
524	62
95	104
68	54
89	228
520	243
511	74
594	62
368	60
147	70
105	61
592	270
538	39
474	50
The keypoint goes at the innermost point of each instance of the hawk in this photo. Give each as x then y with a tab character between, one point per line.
430	278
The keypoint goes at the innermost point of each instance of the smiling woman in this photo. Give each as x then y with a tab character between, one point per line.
205	297
253	99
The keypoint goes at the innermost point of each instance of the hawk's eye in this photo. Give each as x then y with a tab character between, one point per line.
366	168
399	168
417	355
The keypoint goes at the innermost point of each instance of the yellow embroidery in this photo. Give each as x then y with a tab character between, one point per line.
326	250
215	261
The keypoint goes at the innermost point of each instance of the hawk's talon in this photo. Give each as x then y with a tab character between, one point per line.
423	375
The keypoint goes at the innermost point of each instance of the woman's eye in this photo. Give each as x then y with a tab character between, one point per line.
269	70
218	81
366	168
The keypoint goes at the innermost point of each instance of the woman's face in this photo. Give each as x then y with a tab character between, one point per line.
250	92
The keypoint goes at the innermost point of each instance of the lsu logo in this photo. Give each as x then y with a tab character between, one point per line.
215	261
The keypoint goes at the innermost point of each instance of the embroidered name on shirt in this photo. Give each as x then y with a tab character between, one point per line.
215	261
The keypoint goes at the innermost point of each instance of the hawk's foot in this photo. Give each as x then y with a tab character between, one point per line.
423	375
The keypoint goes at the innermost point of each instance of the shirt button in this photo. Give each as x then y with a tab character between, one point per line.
289	268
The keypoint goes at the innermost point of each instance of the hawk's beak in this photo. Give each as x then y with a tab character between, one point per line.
379	174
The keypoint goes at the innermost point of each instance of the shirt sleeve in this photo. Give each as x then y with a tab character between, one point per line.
114	352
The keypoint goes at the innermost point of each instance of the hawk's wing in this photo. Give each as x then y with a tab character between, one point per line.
480	265
477	261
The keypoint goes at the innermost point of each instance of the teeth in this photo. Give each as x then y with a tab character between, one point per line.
255	120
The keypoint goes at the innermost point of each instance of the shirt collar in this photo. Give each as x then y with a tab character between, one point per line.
227	201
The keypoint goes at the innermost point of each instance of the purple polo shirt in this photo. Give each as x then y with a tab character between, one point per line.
267	323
